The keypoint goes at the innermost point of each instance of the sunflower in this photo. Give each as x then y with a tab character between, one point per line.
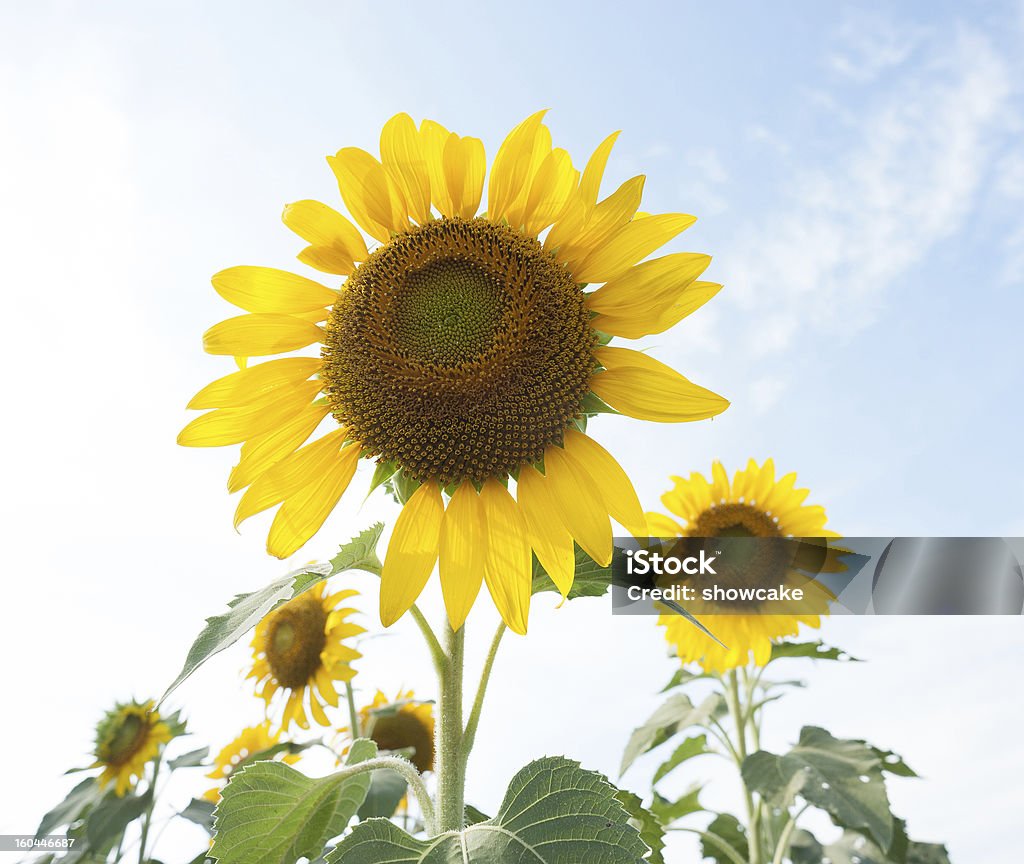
402	723
251	742
754	504
299	649
462	354
127	739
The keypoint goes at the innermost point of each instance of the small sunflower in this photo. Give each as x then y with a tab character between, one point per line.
127	739
251	741
402	723
754	504
299	649
462	354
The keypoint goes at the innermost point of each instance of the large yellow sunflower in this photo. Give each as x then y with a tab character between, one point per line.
754	504
128	738
402	723
461	354
251	741
299	650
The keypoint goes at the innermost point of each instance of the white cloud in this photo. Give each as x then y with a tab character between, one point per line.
871	44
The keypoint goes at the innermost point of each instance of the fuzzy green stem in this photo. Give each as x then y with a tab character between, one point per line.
753	810
449	762
147	819
437	654
353	714
469	735
783	845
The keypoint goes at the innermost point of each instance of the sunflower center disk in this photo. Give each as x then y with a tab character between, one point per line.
402	731
735	520
126	739
295	640
459	350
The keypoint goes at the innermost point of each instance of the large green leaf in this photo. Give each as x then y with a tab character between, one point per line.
590	579
73	807
676	714
650	827
272	814
246	610
387	789
554	813
200	811
843	778
108	819
724	841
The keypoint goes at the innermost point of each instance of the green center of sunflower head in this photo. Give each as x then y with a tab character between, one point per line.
121	735
448	313
459	350
295	639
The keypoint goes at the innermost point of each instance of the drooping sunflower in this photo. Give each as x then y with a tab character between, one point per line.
128	738
299	651
462	355
402	723
754	504
251	741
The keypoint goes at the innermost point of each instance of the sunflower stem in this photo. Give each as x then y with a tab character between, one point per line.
437	654
148	818
451	767
736	708
469	735
353	714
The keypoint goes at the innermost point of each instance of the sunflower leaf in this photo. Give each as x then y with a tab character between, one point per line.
689	749
724	841
270	813
669	811
199	811
676	714
590	579
246	610
649	826
192	759
73	807
553	812
108	819
812	650
854	848
841	777
387	789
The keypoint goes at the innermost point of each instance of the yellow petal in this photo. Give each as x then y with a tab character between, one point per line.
433	140
259	335
264	289
335	244
403	159
263	451
607	219
369	193
225	426
551	541
469	167
463	551
612	482
302	514
590	185
515	213
511	166
721	489
640	386
250	384
652	284
632	243
550	191
290	475
579	504
412	552
659	525
508	568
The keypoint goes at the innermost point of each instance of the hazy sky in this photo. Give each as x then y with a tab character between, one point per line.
858	171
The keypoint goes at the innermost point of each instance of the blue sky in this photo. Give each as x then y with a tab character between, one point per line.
858	171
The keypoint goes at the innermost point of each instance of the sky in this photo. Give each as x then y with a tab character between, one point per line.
858	174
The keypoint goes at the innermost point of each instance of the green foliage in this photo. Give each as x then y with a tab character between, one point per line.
590	579
269	812
649	825
842	777
108	819
246	610
681	676
200	811
724	841
689	749
812	650
77	803
553	813
675	715
192	759
669	811
854	848
387	789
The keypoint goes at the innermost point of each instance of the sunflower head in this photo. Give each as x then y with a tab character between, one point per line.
127	738
402	723
753	504
252	743
462	353
299	651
